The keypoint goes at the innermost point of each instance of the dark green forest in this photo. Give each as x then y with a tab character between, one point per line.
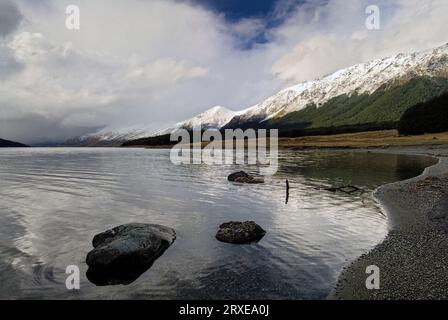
427	117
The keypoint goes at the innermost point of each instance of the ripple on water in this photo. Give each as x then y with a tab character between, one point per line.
52	202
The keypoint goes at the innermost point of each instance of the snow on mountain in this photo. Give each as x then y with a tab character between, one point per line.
213	118
361	78
119	134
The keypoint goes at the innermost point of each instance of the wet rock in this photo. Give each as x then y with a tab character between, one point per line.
122	254
243	177
240	232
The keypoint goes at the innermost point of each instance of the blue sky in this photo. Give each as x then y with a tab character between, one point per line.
238	9
264	10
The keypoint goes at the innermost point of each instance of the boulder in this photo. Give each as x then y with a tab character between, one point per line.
243	177
122	254
240	232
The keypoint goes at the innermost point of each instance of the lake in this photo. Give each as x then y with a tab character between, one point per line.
54	200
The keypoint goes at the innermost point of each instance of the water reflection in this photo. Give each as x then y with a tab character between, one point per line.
117	276
53	201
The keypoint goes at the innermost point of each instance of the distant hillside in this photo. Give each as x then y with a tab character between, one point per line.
380	110
81	142
11	144
367	96
162	140
378	91
428	117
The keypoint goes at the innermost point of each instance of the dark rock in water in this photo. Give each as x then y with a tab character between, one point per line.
240	232
243	177
122	254
130	244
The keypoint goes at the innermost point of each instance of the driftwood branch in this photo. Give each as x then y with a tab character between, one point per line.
345	189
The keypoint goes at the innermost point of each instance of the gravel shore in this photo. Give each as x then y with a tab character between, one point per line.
413	259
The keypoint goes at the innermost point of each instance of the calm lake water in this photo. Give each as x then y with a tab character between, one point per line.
53	201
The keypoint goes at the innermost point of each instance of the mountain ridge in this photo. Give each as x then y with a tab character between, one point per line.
360	80
11	144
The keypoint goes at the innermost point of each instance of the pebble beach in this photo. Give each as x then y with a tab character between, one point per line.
413	259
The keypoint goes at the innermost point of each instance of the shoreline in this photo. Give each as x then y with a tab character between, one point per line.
360	140
412	258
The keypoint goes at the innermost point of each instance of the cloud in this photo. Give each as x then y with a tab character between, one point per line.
160	62
165	71
249	32
10	17
8	63
150	62
42	128
333	35
310	59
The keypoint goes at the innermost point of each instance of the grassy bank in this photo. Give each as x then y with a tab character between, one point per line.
363	140
374	139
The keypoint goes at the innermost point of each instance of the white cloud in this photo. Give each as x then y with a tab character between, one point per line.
249	28
164	72
334	36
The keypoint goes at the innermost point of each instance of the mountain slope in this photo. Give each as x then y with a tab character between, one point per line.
428	117
360	80
214	118
110	137
368	95
384	106
11	144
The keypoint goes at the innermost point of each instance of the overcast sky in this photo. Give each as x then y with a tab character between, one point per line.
154	63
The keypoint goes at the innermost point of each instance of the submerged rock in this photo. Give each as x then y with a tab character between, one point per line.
240	232
243	177
122	254
345	189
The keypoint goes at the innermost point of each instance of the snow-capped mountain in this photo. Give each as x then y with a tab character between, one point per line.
214	118
364	78
111	137
361	78
120	134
